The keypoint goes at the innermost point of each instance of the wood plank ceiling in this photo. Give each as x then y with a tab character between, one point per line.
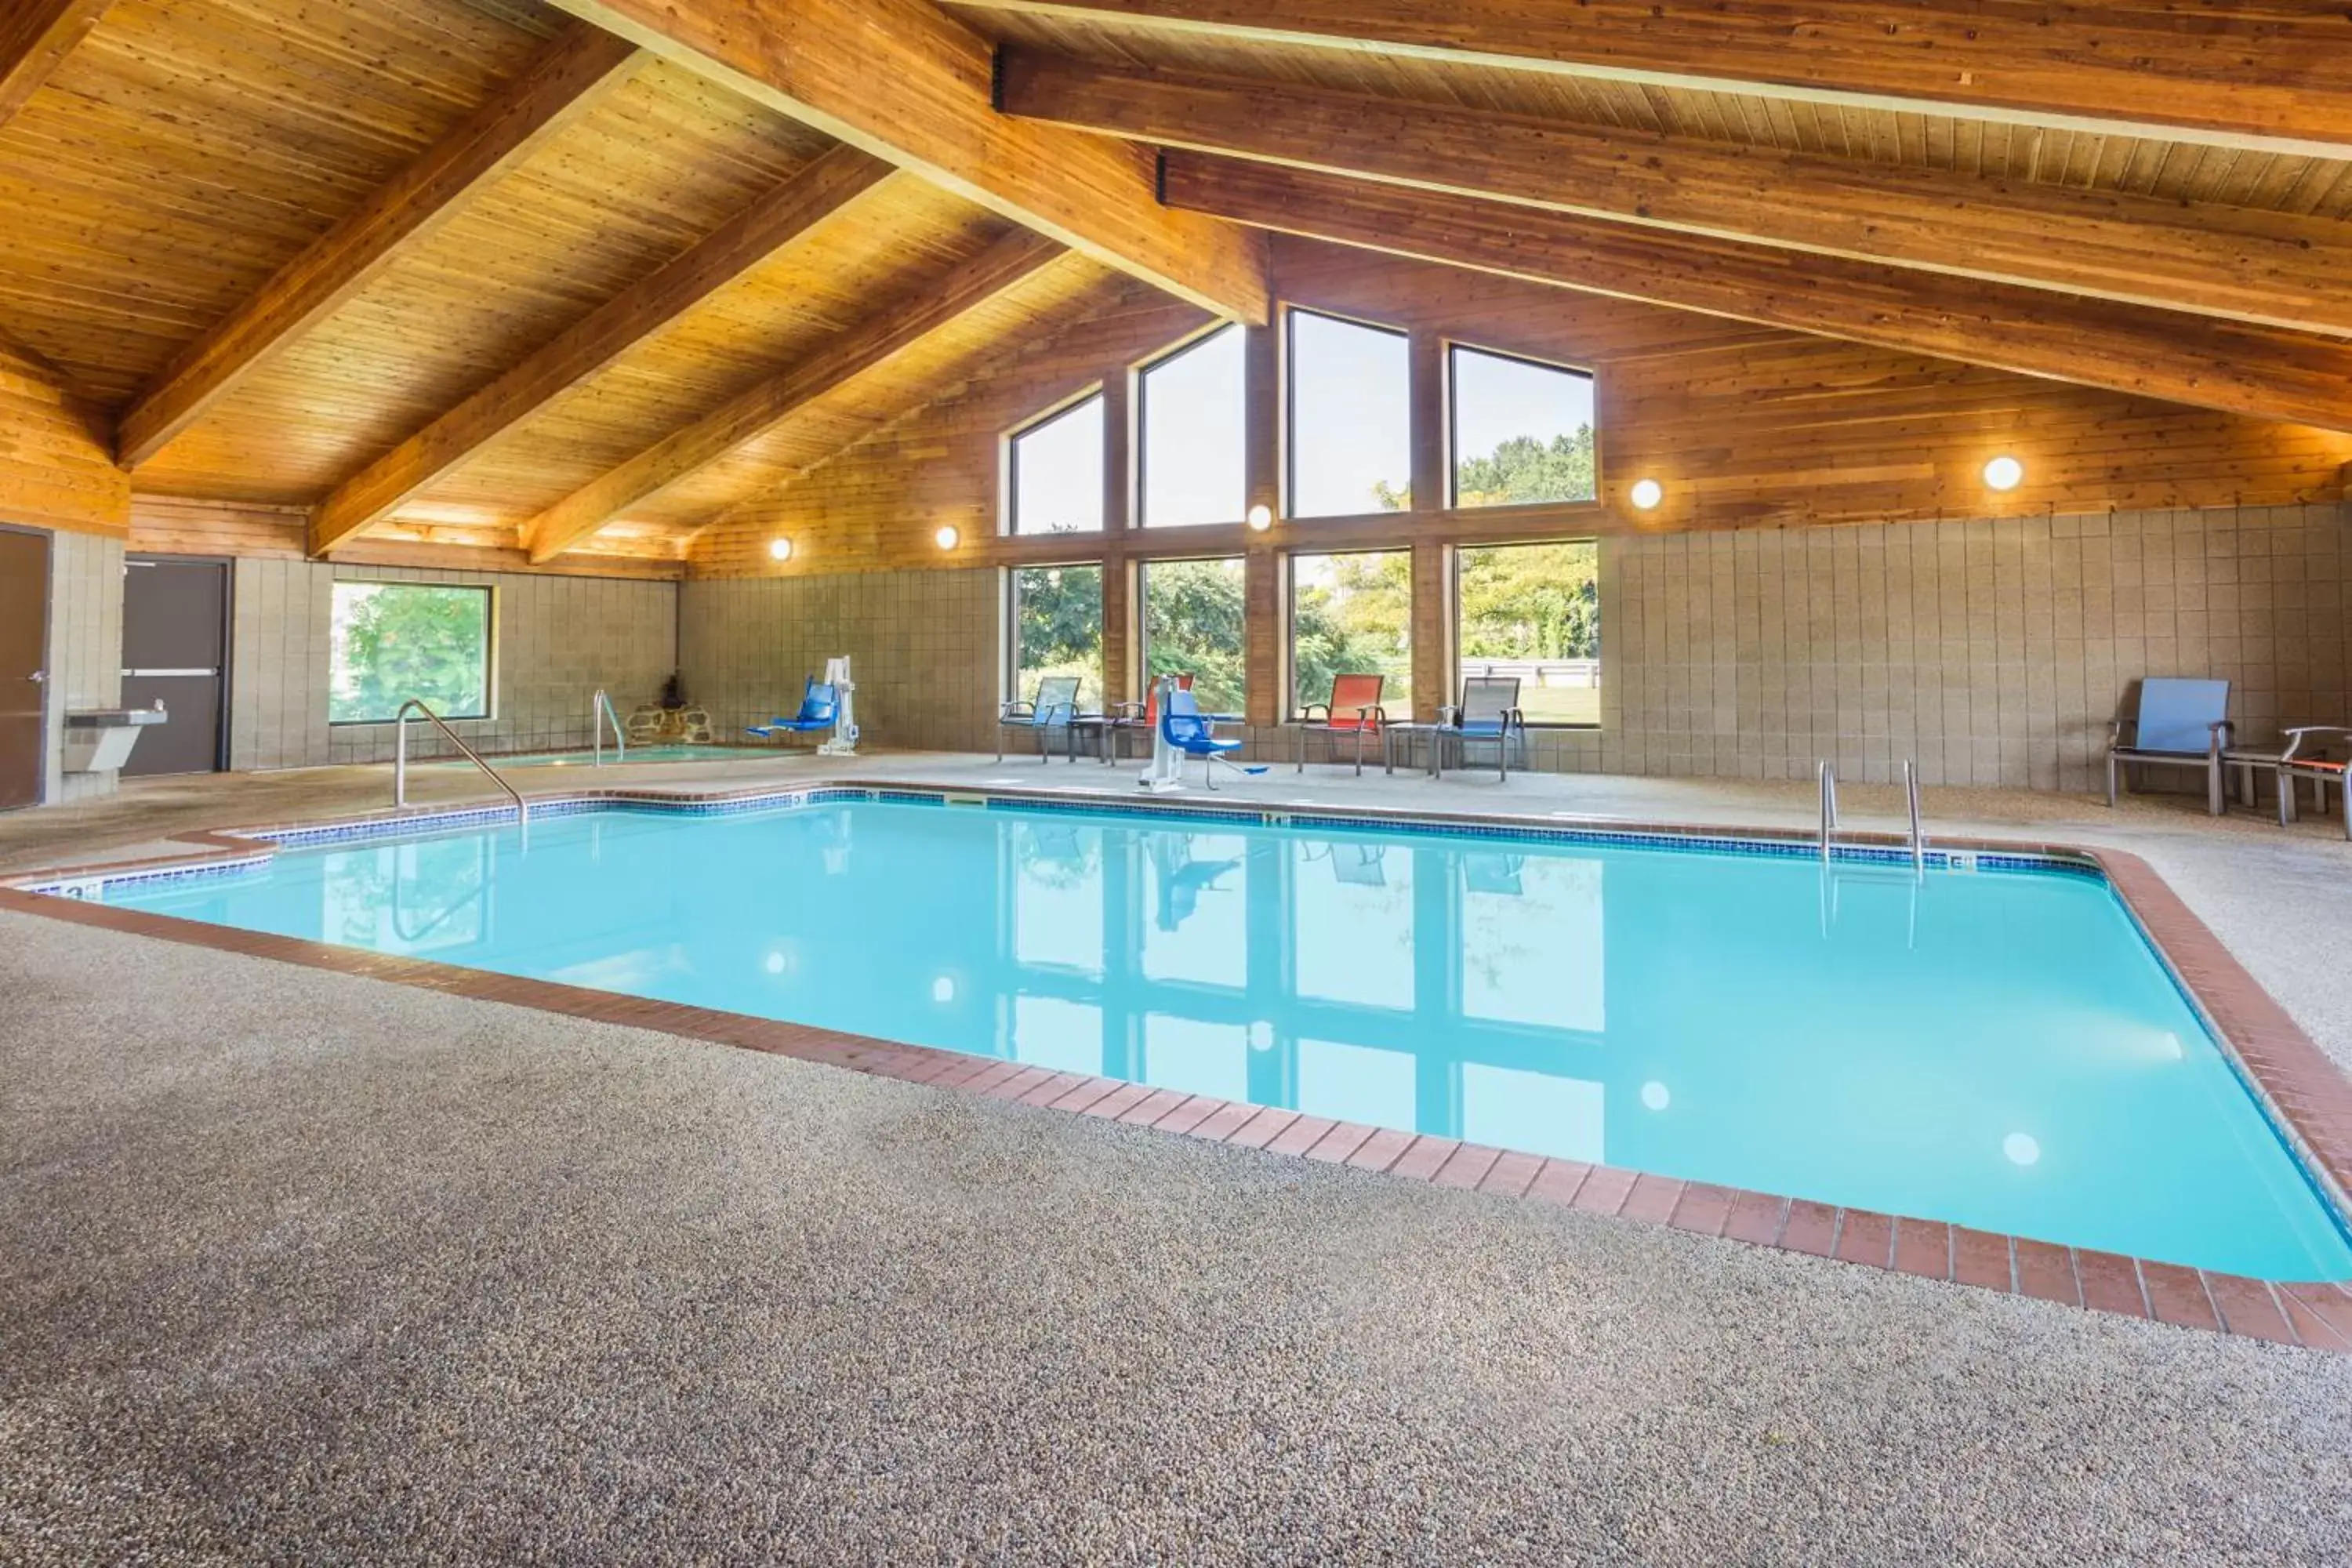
588	276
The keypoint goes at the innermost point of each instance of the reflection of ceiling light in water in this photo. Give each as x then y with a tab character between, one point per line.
943	989
1261	1035
1654	1095
2020	1148
773	963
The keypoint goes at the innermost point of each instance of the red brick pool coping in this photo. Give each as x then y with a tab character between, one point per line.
2308	1096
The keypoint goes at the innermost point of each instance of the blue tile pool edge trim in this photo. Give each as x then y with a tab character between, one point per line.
87	882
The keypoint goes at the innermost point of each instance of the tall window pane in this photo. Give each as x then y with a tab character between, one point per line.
1351	614
1193	625
1057	629
392	641
1351	418
1192	416
1522	431
1057	472
1533	611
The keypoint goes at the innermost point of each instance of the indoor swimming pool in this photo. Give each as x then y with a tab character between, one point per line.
1994	1045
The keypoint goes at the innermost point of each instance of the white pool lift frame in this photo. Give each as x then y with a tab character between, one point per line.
843	740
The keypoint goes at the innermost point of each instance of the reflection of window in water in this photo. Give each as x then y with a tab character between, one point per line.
1058	896
1064	1036
1196	1057
1193	926
1508	1108
1531	940
1357	1083
426	897
1351	921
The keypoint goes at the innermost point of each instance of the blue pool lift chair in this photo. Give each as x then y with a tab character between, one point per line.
820	712
2178	723
1184	727
1053	712
1487	715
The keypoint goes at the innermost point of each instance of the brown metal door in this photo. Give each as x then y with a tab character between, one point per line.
23	644
174	642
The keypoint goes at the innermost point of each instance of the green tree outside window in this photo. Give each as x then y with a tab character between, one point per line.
392	641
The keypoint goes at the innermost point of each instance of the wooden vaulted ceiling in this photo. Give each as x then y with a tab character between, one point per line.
590	275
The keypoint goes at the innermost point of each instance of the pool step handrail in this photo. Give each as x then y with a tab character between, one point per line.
400	758
1828	772
600	713
1911	800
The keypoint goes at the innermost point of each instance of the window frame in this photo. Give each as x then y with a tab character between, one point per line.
1290	405
1290	618
1143	565
489	593
1139	379
1454	623
1453	454
1009	521
1010	672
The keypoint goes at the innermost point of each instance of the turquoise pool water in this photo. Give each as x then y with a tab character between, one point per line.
1999	1048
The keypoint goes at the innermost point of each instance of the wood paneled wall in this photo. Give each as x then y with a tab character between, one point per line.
54	469
181	525
1745	426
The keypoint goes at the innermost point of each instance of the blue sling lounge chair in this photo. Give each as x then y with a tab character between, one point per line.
1183	726
820	711
2180	724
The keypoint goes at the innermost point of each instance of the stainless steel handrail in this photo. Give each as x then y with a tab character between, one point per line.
600	709
400	759
1828	806
1911	798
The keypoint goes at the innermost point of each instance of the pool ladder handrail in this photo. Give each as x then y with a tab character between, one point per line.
1828	772
400	758
601	711
1916	838
1911	802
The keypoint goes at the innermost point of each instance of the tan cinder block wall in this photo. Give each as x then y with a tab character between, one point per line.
557	640
1990	651
923	644
85	653
1994	652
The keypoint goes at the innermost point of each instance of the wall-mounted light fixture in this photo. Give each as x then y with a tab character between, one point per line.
1646	494
779	550
1261	517
945	537
2004	473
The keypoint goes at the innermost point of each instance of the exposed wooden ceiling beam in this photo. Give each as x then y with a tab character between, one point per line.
791	209
2298	377
577	70
750	413
36	36
2274	77
2276	269
909	83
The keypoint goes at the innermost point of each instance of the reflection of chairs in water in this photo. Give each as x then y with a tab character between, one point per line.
1181	878
1353	865
1491	873
1054	853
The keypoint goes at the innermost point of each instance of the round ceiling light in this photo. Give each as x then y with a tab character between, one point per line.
1261	517
947	536
2004	473
1646	494
780	549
